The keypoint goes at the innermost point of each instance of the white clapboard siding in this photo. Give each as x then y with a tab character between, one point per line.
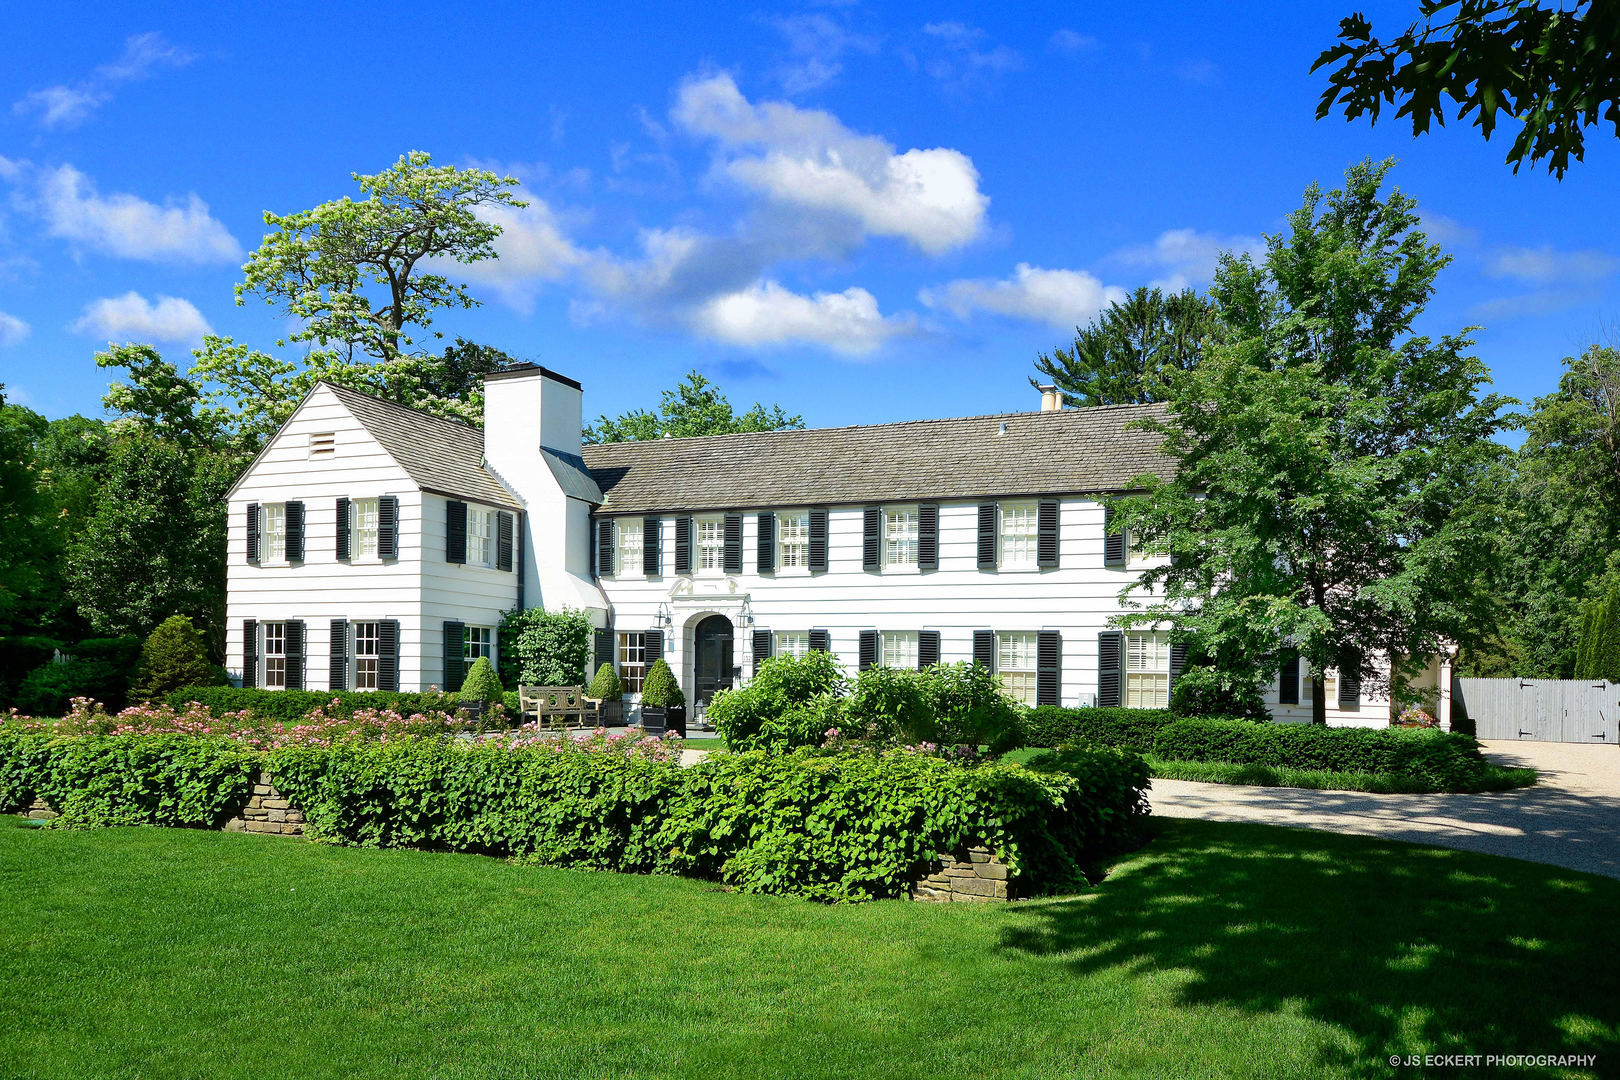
1371	711
474	595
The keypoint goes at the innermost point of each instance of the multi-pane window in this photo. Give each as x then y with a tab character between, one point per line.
628	532
1017	548
900	537
793	539
366	654
480	643
1330	687
792	642
275	656
1015	663
363	513
900	649
273	538
711	542
1147	671
479	530
1141	551
632	661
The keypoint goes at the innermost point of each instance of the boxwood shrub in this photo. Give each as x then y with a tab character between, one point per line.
290	706
1132	729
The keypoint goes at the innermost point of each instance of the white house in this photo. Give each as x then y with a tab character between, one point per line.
374	546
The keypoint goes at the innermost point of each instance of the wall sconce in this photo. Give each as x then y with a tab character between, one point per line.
664	618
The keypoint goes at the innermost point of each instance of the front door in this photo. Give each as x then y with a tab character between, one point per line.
712	656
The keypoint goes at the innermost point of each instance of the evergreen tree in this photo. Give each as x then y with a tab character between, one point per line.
173	657
1127	354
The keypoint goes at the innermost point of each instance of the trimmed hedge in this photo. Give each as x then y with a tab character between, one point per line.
291	706
1130	729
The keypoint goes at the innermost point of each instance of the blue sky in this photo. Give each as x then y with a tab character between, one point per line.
865	213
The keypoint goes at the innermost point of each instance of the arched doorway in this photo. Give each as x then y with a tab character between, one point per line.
711	658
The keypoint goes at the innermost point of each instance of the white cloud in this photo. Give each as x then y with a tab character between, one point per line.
816	45
532	250
129	226
807	159
1447	231
1071	42
1545	264
66	106
959	61
1061	298
12	329
1185	256
133	317
765	313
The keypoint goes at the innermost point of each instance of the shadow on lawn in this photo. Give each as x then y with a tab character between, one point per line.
1404	950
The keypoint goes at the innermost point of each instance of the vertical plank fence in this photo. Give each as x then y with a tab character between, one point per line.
1541	710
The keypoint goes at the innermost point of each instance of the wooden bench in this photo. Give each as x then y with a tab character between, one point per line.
556	706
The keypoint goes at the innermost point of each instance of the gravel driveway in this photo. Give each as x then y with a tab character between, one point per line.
1570	818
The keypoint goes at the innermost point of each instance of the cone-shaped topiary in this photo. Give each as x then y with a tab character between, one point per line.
660	691
606	685
173	657
481	684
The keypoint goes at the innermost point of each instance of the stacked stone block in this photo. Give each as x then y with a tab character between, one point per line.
968	875
267	811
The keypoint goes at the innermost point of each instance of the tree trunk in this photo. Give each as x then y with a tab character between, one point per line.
1318	701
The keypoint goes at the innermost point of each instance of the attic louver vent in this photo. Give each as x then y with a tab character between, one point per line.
323	444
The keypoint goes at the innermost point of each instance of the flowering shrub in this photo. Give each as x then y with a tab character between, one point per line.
1412	716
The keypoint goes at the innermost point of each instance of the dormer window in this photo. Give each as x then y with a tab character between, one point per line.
323	444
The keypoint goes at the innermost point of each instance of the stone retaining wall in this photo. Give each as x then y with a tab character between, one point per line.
970	874
267	811
42	810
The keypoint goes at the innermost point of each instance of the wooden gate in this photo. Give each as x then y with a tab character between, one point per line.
1542	710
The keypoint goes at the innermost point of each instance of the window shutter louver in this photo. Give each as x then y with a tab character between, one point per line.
388	656
1110	667
1046	534
253	532
504	548
652	546
1178	661
295	654
821	641
295	532
1349	684
604	650
928	536
927	648
1048	668
731	551
762	648
984	649
455	655
1114	553
1288	680
604	547
766	561
337	663
654	641
683	545
987	536
388	527
342	532
868	651
872	538
455	531
818	541
250	653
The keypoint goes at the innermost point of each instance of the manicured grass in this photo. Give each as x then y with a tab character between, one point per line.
1217	950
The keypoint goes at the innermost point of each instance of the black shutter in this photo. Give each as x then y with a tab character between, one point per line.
1046	534
604	547
683	545
818	541
871	539
821	641
762	648
388	527
1110	667
732	550
295	654
455	655
337	664
1349	684
869	646
1288	680
1048	668
987	536
295	532
928	537
604	650
654	641
455	531
1178	661
343	530
1113	542
504	549
927	648
253	532
388	656
766	562
652	546
984	649
250	653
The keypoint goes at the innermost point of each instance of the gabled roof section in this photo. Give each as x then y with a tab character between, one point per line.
441	456
572	476
1072	451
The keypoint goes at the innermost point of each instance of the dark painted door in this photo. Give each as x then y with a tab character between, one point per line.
712	656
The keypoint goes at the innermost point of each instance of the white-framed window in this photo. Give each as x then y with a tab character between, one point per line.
273	533
792	642
711	544
627	534
323	444
1147	671
1016	664
1017	535
480	643
1330	687
900	538
275	655
632	661
363	528
366	654
793	540
899	648
480	536
1139	552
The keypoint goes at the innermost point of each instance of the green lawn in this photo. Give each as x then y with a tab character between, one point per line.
1216	950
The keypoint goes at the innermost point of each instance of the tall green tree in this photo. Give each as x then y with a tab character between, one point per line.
1126	355
1328	461
26	533
1550	68
695	406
